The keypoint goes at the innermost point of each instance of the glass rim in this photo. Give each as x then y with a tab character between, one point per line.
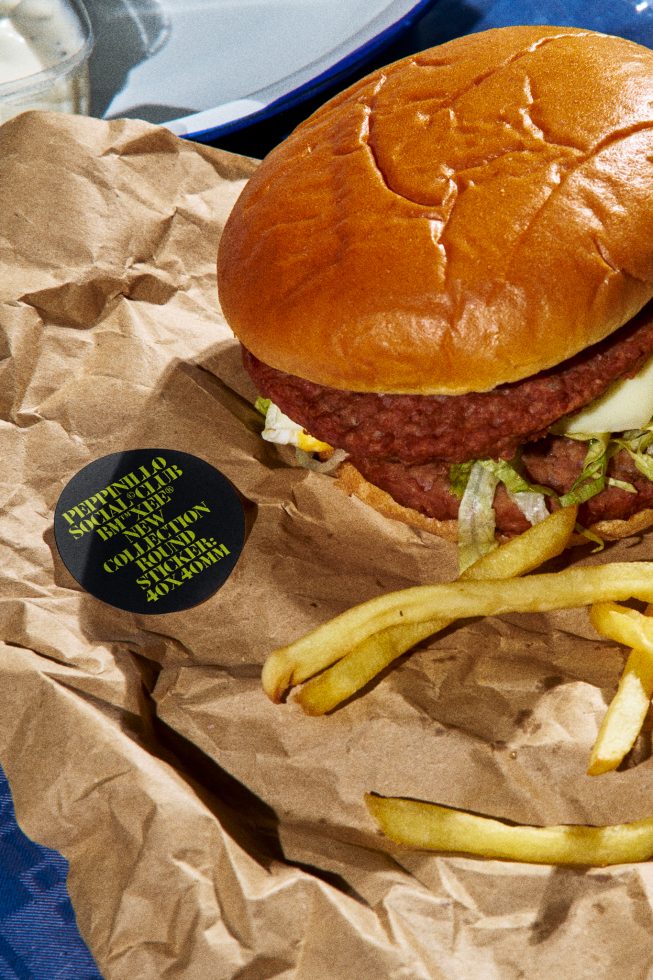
28	84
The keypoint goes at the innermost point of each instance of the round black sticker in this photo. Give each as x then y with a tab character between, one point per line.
150	530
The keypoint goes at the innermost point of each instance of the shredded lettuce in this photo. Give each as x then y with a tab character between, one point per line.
594	538
459	475
593	476
309	462
531	504
476	518
262	404
475	483
639	446
513	481
505	472
530	497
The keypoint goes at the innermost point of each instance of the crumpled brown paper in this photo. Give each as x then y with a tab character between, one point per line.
209	832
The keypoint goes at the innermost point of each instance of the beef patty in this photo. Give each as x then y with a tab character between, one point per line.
415	429
406	444
553	462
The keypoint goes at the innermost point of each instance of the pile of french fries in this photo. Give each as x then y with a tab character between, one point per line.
338	659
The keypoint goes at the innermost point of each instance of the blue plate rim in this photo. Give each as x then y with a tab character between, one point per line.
314	85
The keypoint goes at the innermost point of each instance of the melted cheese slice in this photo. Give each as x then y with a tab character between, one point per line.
627	404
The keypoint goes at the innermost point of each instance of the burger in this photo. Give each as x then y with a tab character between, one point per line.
444	278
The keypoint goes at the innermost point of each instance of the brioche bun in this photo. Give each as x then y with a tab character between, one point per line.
465	217
471	220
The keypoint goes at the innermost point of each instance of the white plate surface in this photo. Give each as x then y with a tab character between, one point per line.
221	60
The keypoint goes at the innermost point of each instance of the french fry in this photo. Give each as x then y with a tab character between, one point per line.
343	679
458	600
428	826
526	552
625	716
359	666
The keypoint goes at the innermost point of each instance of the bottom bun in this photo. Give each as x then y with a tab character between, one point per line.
354	484
614	530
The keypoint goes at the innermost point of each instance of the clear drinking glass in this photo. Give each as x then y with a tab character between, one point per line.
44	50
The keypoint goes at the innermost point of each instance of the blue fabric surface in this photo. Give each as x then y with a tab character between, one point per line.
39	939
450	18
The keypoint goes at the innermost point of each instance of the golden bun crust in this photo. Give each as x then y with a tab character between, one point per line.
465	217
615	530
354	484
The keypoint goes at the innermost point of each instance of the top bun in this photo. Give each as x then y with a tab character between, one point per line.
465	217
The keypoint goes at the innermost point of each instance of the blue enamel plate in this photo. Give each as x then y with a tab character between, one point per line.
205	68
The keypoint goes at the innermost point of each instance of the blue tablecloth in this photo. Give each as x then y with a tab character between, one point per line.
450	18
39	939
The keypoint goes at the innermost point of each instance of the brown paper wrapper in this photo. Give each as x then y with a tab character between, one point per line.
209	832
